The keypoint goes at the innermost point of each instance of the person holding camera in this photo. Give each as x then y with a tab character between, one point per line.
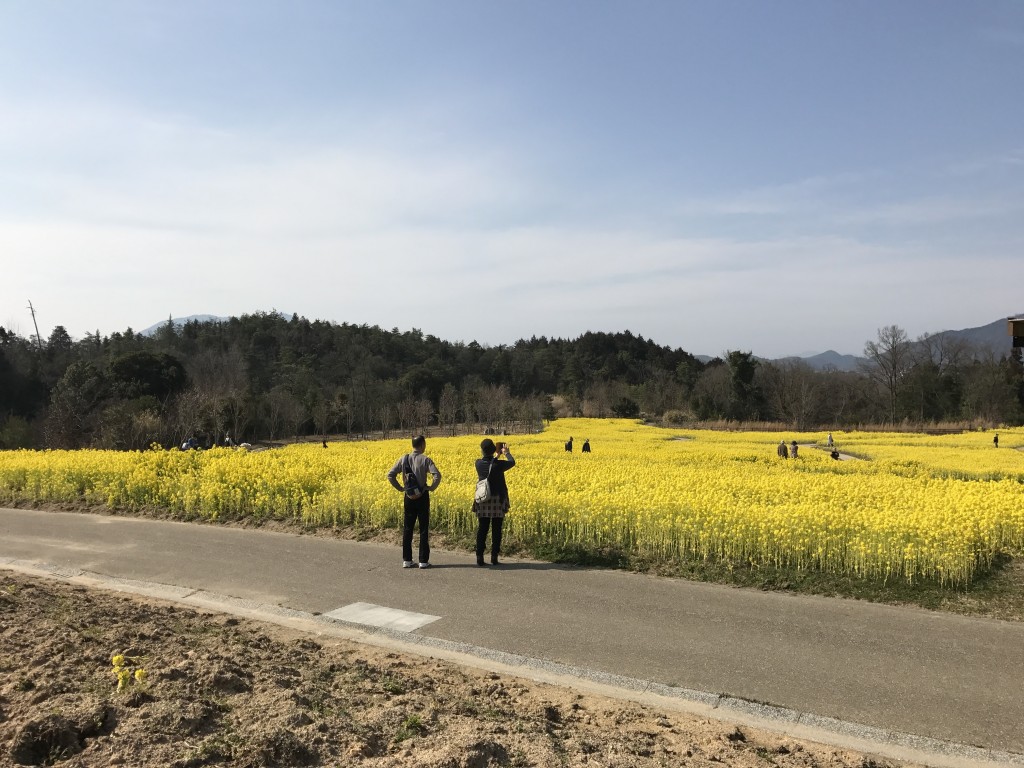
414	468
495	461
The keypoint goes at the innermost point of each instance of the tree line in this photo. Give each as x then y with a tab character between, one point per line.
265	377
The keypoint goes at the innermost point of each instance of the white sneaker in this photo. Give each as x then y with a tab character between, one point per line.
408	564
424	565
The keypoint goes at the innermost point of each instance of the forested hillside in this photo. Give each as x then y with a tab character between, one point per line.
267	377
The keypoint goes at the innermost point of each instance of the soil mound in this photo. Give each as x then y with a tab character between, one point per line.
98	679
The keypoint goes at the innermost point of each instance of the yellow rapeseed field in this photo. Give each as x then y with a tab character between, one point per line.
909	506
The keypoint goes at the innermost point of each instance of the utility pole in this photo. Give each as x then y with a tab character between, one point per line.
39	341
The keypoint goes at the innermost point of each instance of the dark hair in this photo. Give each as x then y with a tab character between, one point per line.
487	446
419	442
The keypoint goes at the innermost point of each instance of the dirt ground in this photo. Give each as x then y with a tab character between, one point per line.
207	689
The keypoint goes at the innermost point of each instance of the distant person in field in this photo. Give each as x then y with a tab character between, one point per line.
325	443
782	450
568	444
793	449
835	454
829	442
586	446
995	440
490	514
414	468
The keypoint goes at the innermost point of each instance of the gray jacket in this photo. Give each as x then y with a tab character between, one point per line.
421	464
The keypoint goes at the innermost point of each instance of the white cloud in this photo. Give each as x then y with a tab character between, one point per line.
184	177
775	297
1009	160
858	205
800	196
140	216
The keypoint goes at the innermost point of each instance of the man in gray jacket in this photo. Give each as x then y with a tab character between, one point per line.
414	468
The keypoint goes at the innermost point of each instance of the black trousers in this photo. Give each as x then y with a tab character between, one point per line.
495	524
416	510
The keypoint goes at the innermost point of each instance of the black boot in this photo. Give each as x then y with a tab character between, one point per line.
480	560
494	558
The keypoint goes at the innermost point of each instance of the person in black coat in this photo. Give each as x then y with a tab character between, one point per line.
495	461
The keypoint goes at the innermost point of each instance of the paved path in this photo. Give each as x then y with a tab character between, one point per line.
938	676
826	449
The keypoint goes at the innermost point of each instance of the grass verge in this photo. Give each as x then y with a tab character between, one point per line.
997	593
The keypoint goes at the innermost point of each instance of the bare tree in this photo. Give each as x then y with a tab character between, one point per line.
216	372
385	417
406	413
492	403
350	416
187	410
323	416
888	360
448	408
220	377
145	426
363	396
342	409
275	407
990	391
236	408
945	352
934	380
597	400
841	392
712	392
292	415
424	410
793	390
471	399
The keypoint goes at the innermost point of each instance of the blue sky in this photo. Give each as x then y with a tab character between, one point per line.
780	177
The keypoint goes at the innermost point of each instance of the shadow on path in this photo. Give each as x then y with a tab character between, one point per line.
509	565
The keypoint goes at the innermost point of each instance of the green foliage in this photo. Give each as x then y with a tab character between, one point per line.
412	726
23	390
15	432
264	376
746	403
146	374
626	409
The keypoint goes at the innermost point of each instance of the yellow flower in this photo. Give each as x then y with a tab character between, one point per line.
909	507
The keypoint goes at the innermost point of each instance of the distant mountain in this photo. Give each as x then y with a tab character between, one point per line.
180	321
825	361
832	360
994	336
